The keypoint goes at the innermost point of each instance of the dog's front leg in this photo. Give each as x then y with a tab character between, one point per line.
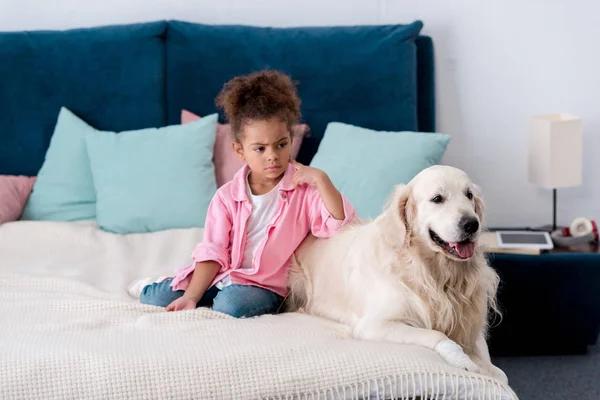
481	356
401	333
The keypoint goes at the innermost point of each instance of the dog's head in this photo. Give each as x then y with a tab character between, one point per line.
442	207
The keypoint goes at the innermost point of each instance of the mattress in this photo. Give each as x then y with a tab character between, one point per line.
69	330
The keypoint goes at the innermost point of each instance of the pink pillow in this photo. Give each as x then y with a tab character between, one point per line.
14	192
226	161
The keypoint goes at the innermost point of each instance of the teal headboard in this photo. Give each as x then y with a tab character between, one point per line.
142	75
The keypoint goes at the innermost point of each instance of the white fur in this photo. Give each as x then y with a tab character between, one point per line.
387	280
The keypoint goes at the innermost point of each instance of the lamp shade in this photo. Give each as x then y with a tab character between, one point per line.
555	151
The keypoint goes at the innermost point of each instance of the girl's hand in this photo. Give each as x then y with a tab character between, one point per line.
305	174
182	303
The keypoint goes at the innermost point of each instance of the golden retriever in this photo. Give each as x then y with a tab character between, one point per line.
414	275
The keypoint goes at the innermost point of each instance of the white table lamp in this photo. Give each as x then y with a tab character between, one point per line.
555	153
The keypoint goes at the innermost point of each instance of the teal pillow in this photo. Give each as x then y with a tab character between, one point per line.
365	164
153	179
64	190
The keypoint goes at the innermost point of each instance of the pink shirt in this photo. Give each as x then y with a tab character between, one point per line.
300	211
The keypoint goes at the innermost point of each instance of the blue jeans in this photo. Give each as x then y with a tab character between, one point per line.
235	300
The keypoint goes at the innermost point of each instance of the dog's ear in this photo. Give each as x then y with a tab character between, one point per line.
479	203
395	220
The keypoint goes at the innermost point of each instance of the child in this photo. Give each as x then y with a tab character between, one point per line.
256	221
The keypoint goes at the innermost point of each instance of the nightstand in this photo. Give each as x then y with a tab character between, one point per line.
550	302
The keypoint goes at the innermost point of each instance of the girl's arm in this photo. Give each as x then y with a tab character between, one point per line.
210	256
332	198
328	209
217	230
204	273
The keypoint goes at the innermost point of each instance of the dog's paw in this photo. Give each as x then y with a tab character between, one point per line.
454	355
498	374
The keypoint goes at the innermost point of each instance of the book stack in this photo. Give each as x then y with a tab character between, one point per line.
490	243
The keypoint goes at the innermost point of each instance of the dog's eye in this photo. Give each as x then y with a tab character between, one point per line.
469	195
437	199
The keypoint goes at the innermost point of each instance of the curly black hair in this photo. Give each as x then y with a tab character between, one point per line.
260	95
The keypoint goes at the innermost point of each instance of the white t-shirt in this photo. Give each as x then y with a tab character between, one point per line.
263	211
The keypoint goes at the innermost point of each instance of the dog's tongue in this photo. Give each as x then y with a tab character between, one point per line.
465	250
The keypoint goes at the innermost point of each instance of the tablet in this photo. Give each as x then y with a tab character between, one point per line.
524	240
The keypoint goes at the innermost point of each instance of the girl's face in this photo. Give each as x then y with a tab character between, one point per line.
266	147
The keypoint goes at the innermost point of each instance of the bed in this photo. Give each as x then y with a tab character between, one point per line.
70	330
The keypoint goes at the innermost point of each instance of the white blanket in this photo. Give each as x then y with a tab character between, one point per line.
69	331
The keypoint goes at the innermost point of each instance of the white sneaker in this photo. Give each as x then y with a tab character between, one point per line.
135	288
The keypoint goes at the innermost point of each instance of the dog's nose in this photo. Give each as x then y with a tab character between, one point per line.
469	224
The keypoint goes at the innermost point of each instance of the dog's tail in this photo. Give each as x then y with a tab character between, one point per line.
299	286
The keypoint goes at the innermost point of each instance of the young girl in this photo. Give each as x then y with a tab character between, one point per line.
256	221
